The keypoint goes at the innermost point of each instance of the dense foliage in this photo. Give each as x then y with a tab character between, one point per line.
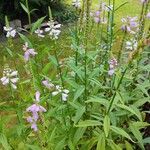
61	11
91	99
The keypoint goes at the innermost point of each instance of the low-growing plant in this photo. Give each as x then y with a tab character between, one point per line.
89	100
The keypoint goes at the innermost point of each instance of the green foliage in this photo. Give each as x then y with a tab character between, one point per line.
87	107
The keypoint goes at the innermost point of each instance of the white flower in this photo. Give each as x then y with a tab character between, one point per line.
55	93
53	29
10	31
10	78
131	45
64	93
39	33
76	3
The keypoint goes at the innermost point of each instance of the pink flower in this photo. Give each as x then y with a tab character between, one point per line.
130	24
148	15
144	1
34	126
28	52
34	109
47	84
112	64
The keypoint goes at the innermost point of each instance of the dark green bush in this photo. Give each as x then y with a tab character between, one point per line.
61	12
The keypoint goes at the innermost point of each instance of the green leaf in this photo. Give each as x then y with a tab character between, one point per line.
9	51
128	146
60	145
106	125
79	114
137	134
99	100
146	140
25	39
113	145
101	143
121	132
121	6
130	110
46	68
79	92
33	10
37	24
78	135
4	142
88	123
24	8
53	60
33	147
140	124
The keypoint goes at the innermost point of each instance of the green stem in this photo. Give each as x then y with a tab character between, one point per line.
113	98
86	46
121	48
58	67
77	44
29	14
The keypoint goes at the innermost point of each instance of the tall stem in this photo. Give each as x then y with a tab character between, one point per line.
58	67
86	46
29	14
77	44
113	98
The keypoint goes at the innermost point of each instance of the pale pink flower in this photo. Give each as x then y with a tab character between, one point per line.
112	65
48	84
34	109
28	51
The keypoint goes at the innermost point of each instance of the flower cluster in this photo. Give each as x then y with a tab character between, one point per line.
64	92
98	18
39	33
112	64
53	29
76	3
10	31
10	77
130	24
48	84
144	1
35	109
131	45
28	51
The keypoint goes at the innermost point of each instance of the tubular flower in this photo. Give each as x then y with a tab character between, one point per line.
48	84
76	3
131	45
112	64
10	31
53	29
34	110
39	33
10	77
64	93
28	52
130	24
